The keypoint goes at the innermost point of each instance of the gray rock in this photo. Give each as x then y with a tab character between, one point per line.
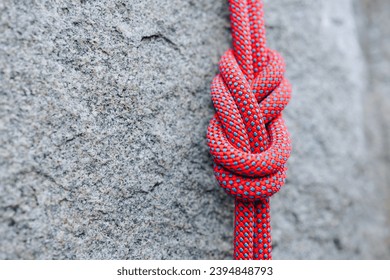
373	22
103	115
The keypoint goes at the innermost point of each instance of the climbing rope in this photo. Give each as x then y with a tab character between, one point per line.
247	136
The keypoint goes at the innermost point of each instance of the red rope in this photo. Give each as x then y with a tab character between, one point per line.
247	136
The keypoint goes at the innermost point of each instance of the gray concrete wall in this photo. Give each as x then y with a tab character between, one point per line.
103	115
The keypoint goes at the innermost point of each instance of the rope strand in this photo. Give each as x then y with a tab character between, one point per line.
247	137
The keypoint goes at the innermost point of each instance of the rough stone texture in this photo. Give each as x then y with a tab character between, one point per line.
103	115
374	22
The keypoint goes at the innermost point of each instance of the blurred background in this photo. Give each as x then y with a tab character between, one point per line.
104	107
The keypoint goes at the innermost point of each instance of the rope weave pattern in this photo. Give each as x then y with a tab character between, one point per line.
247	136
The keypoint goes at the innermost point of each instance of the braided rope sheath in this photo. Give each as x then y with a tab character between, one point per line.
247	136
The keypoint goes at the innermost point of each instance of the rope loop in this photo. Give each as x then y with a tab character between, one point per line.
247	136
240	172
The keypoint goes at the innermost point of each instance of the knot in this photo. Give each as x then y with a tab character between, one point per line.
247	136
